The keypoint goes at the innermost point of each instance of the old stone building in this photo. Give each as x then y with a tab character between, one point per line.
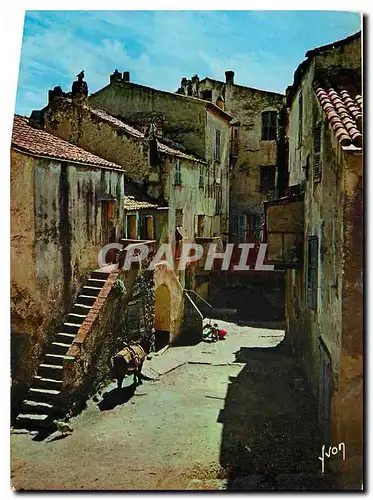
317	233
257	147
198	128
66	204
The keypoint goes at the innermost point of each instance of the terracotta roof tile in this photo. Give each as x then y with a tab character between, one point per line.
135	200
40	143
345	114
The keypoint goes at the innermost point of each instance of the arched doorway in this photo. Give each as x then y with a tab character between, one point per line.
162	316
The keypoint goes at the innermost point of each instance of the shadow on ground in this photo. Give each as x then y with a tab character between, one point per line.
116	397
270	438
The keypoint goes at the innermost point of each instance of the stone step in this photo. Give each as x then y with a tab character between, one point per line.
91	290
60	347
100	275
38	405
51	367
43	394
96	282
32	416
58	357
71	327
76	318
46	383
66	336
82	309
87	299
39	390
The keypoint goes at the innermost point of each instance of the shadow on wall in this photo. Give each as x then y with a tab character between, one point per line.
270	425
162	316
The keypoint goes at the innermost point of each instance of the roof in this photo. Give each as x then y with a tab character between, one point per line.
138	134
40	143
303	66
207	104
344	113
243	86
333	45
134	199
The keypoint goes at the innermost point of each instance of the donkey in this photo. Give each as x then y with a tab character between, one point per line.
128	360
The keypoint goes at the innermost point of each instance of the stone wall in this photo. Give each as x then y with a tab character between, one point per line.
76	124
184	118
333	213
59	209
164	276
246	105
95	342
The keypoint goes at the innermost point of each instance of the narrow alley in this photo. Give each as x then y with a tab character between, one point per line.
228	415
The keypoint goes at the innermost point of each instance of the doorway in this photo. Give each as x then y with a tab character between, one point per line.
162	317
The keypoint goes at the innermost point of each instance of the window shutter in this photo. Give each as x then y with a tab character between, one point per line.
312	272
300	119
217	144
317	154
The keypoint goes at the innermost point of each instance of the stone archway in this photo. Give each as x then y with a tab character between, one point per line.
162	316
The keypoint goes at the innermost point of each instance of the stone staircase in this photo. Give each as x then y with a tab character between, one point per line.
43	400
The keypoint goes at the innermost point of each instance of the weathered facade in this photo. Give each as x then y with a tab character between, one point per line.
324	295
66	204
256	148
196	127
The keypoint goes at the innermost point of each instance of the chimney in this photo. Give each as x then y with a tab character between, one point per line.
126	76
116	76
229	77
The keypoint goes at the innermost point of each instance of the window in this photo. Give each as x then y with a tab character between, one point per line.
217	144
108	230
241	227
177	173
254	227
207	95
317	154
149	227
201	177
218	200
267	178
131	229
200	225
269	125
300	117
312	271
178	218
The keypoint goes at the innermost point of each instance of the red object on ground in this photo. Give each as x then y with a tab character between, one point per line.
222	333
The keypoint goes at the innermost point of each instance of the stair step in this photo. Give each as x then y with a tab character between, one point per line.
39	390
43	379
100	275
84	306
59	356
60	344
32	416
36	404
71	327
87	299
96	282
77	316
52	367
91	290
69	335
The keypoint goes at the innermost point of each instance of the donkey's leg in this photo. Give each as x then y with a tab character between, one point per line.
139	373
120	381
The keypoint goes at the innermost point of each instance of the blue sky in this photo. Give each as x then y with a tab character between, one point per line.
160	47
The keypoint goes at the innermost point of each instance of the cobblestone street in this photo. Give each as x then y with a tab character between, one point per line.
229	415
